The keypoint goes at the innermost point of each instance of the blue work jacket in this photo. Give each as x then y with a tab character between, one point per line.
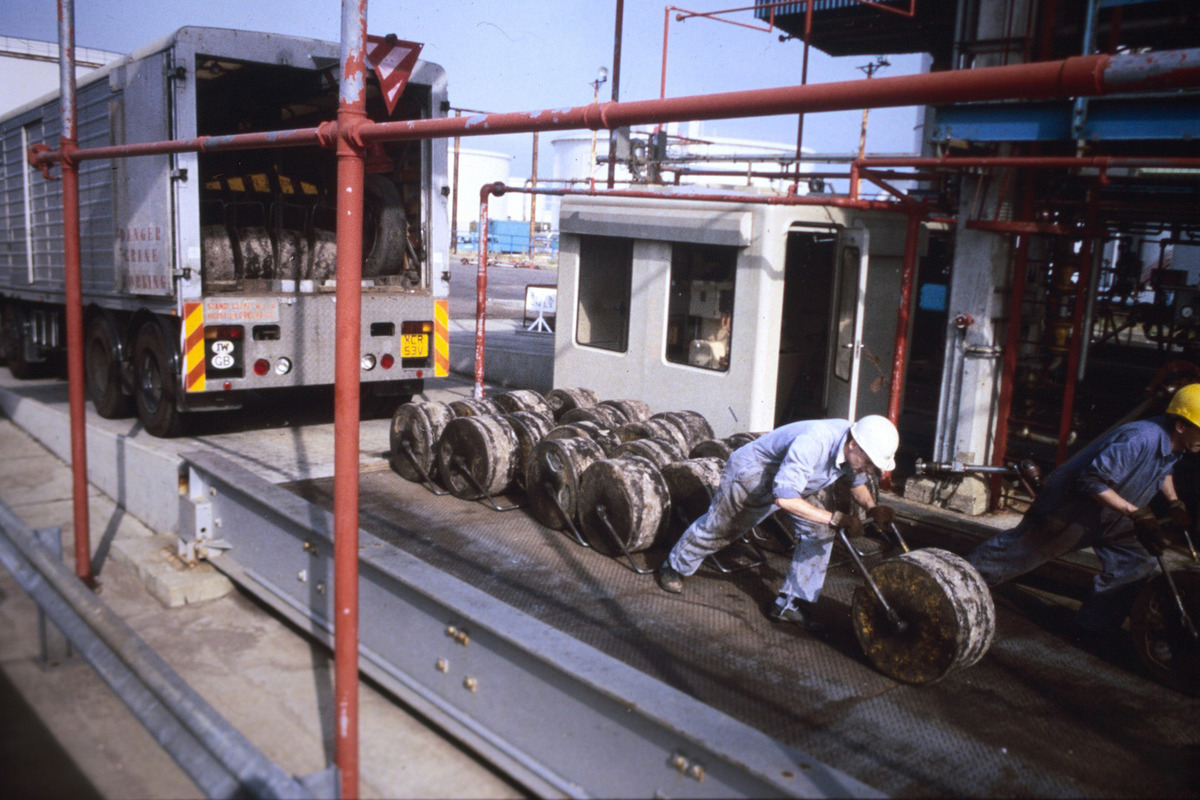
1132	459
804	456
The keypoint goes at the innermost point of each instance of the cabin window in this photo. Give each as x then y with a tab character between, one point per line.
700	314
605	278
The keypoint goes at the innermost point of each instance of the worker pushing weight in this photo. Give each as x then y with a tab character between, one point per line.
1100	499
791	468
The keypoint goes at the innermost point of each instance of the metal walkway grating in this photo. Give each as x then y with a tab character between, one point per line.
1037	716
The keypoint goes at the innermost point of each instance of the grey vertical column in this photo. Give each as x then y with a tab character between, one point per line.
54	649
977	306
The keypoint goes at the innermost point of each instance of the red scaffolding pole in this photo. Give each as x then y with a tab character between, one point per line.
73	280
352	113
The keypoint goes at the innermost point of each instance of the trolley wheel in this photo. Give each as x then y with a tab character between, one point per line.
154	390
947	610
103	371
1168	651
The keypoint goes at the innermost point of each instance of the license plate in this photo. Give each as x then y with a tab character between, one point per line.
414	345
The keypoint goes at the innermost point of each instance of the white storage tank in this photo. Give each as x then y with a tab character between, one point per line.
475	168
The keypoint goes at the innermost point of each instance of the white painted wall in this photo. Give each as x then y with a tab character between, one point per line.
30	69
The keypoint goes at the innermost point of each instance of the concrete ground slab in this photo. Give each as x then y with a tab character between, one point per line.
270	682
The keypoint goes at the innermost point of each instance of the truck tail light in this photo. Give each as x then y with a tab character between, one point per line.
224	332
387	360
262	367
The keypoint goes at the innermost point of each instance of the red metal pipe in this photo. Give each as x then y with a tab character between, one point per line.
713	15
485	193
533	181
768	200
662	79
352	111
1026	227
73	280
1012	339
1079	76
300	137
808	20
804	80
618	26
877	178
908	279
911	12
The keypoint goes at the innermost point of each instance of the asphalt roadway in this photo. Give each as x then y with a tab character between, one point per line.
506	282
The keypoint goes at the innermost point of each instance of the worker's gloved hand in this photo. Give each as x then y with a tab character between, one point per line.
882	516
1148	531
851	524
1178	514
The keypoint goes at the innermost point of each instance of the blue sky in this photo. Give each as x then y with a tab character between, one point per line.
518	55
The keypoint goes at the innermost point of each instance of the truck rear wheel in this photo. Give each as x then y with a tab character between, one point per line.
104	371
154	390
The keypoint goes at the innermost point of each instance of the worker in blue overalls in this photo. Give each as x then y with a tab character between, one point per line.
789	469
1100	499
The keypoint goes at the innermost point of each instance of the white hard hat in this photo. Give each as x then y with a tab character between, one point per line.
878	438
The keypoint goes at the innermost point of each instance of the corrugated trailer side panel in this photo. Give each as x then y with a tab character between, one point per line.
33	207
31	265
96	210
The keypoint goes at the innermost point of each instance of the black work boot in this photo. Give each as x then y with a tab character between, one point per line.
798	612
668	579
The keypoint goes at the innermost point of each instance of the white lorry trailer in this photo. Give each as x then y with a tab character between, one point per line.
210	274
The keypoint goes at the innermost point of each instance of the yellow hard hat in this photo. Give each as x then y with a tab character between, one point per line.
1186	404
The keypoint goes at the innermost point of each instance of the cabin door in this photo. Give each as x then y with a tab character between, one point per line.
810	268
845	372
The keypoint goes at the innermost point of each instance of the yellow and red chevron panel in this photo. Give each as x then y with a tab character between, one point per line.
193	347
441	338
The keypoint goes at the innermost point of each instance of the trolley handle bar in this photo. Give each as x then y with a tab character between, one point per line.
894	618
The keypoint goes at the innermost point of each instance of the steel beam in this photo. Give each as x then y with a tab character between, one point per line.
559	716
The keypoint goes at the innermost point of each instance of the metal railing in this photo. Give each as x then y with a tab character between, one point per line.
219	759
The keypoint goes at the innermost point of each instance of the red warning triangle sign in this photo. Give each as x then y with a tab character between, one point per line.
393	61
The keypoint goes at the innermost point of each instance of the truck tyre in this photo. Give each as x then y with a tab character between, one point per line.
154	385
103	371
385	228
14	344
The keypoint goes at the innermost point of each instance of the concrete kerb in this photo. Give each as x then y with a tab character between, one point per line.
135	484
142	477
514	359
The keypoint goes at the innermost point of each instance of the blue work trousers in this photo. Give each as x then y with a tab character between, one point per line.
1124	563
743	499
